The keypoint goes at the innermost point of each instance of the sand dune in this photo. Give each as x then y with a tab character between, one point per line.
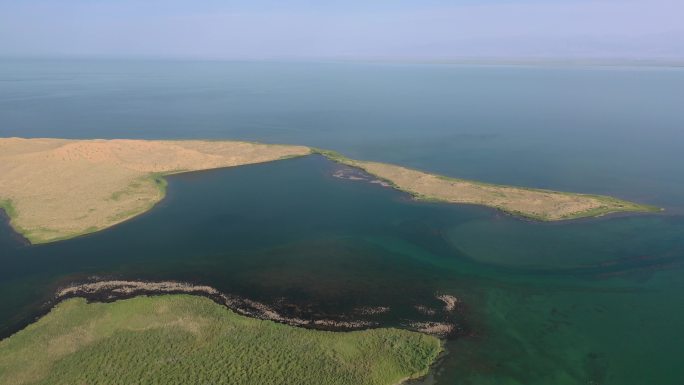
61	188
57	188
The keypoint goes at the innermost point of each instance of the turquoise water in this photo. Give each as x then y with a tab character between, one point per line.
597	301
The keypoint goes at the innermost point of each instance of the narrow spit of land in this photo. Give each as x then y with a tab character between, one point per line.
538	204
184	339
56	189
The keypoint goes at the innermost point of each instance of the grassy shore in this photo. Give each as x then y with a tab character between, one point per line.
538	204
9	209
183	339
7	206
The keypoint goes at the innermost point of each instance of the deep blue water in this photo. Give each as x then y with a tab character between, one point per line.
598	301
608	130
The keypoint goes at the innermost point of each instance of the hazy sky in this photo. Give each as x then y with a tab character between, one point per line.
419	29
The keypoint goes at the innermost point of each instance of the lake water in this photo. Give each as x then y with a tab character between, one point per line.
598	301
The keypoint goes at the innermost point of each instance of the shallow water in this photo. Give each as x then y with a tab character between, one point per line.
598	301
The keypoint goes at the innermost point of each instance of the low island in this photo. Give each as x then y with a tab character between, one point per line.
538	204
55	189
185	339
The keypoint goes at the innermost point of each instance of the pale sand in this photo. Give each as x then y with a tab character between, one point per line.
58	188
439	329
532	203
62	188
450	301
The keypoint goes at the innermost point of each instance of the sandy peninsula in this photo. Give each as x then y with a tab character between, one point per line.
538	204
56	189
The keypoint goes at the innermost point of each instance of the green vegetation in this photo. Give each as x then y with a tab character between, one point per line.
45	235
334	156
613	205
610	204
294	156
341	159
161	182
42	235
182	339
39	235
143	193
6	205
138	187
498	192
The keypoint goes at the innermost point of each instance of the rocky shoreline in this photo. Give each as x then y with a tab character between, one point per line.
112	290
108	291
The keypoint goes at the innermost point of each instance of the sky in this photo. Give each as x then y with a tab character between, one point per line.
364	29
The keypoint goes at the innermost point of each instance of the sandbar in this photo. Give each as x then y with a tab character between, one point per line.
54	189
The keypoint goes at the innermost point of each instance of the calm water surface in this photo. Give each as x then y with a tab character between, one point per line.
597	301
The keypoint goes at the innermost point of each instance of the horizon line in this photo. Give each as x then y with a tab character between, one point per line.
454	60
